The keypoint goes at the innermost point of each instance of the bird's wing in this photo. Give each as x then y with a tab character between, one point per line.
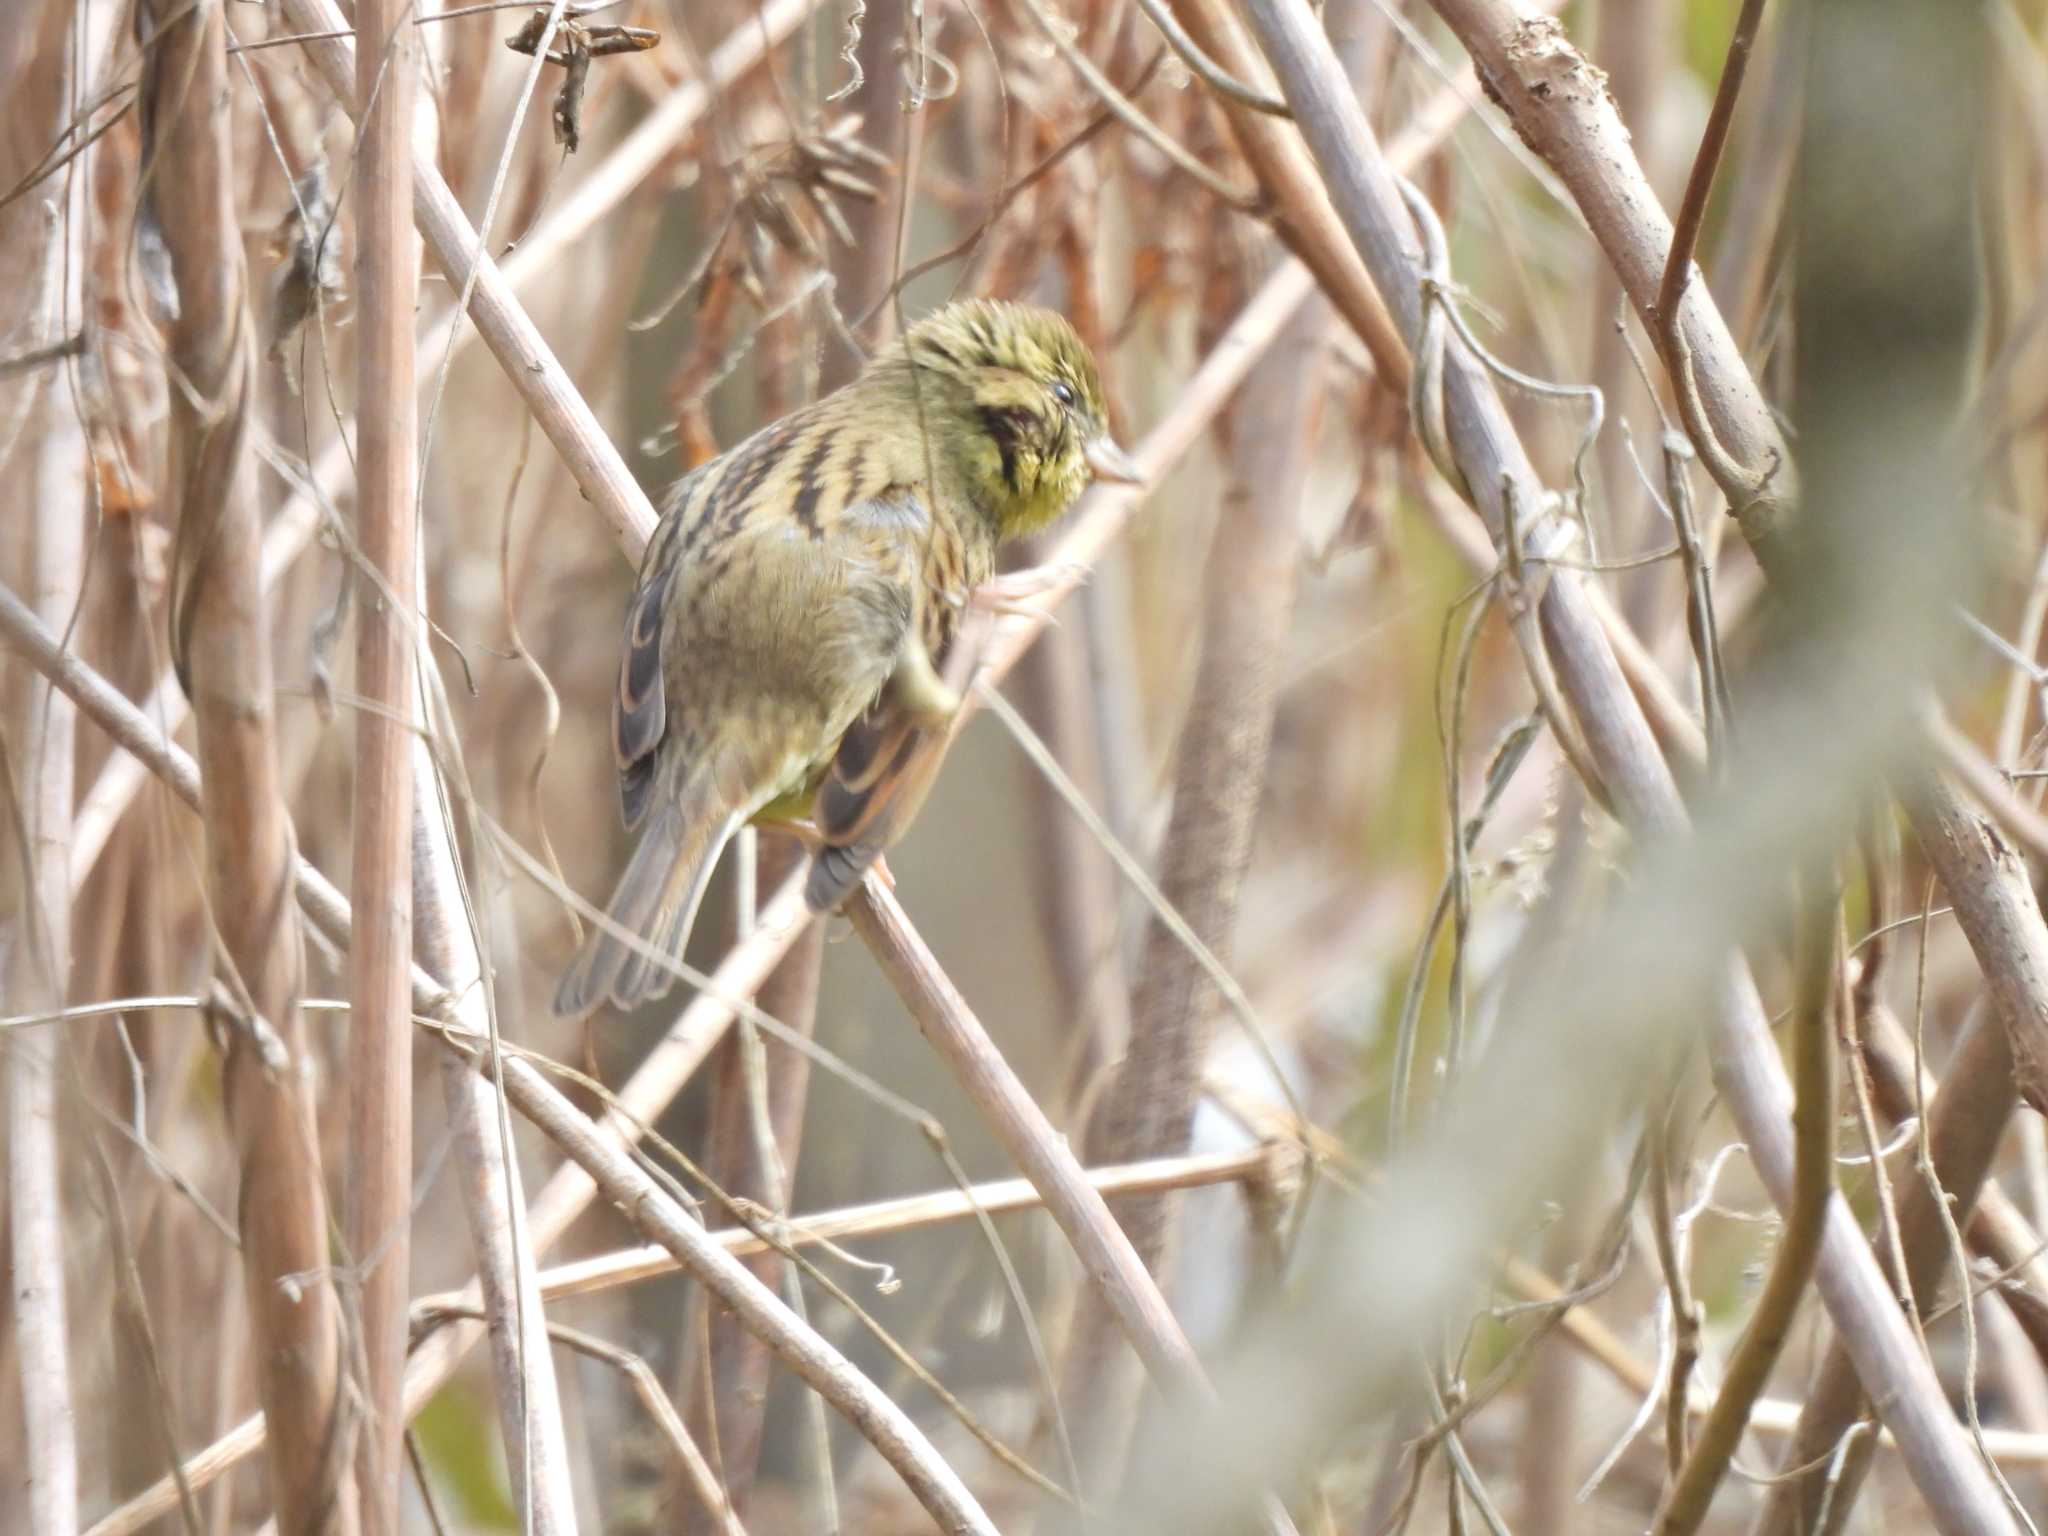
887	758
707	505
822	608
640	702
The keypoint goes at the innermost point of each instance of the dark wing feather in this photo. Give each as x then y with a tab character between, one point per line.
882	768
640	704
860	815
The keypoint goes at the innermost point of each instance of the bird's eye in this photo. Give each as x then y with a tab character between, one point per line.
1063	392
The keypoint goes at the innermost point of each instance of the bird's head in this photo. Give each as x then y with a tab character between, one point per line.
1012	400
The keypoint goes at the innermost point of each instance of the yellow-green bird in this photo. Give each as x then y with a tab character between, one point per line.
782	643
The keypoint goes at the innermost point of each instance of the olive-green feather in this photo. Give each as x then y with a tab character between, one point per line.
798	573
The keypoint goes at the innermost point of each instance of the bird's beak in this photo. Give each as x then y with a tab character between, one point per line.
1111	463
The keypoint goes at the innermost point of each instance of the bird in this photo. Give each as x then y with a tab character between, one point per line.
783	642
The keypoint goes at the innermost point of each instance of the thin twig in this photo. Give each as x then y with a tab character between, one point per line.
1535	73
903	1214
1043	1154
1134	119
1211	74
627	1186
1770	1322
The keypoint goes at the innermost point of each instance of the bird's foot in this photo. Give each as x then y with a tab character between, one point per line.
1019	594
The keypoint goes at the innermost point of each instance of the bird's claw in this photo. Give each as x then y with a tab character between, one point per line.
1017	594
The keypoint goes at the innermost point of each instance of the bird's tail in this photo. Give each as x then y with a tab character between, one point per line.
656	899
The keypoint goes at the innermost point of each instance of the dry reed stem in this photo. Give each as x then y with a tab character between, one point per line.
528	361
379	1187
635	1194
1300	205
944	1018
1988	885
221	640
753	1161
906	1213
36	935
528	1402
492	1191
1113	1266
1484	445
1770	1320
35	962
1560	107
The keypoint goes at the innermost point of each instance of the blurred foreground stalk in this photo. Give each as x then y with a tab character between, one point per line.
1861	628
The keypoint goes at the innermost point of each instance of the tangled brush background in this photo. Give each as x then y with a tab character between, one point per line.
1436	989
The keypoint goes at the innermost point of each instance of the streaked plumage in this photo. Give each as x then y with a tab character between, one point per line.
782	639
